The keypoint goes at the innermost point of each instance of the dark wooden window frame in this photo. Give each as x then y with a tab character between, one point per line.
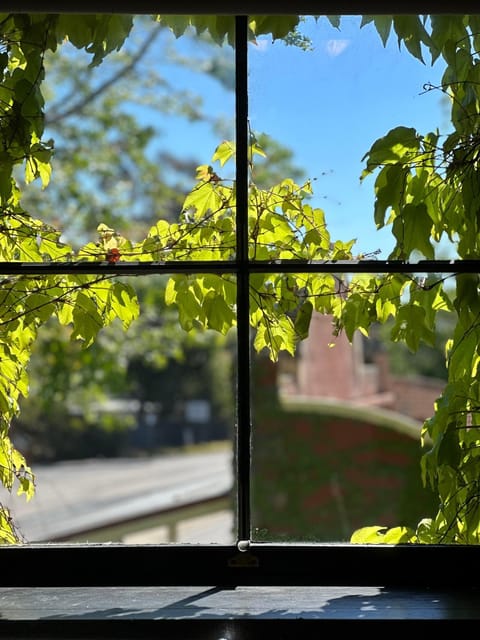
245	563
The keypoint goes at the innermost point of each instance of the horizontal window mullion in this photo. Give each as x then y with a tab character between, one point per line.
215	266
104	268
366	266
103	565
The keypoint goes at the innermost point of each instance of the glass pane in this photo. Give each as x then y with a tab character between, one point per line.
131	438
118	413
337	427
322	103
133	136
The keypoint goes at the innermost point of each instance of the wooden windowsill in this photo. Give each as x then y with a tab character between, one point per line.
216	613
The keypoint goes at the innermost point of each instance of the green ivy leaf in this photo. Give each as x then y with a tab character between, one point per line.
8	535
399	144
38	305
368	535
412	33
220	315
224	152
278	26
383	25
86	320
204	199
413	228
302	320
124	303
449	451
389	189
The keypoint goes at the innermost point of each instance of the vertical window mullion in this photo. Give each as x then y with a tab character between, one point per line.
243	408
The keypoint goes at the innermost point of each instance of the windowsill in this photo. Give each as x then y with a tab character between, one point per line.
215	613
75	592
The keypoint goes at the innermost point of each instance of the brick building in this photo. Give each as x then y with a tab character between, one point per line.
328	366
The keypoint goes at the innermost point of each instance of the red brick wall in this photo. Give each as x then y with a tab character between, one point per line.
416	396
340	372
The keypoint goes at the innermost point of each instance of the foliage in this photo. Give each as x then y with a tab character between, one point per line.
425	187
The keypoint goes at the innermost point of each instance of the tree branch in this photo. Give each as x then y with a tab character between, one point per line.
85	101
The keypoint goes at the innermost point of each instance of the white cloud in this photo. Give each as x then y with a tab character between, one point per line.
336	47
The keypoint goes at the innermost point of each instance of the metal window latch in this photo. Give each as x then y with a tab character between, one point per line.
244	557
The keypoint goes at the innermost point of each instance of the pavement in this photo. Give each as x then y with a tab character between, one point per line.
75	498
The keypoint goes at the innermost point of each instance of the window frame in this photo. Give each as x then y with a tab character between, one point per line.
245	562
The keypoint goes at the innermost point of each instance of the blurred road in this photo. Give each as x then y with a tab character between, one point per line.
79	496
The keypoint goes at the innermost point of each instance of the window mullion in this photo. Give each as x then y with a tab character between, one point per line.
243	408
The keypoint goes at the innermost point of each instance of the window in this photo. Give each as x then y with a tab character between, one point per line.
249	268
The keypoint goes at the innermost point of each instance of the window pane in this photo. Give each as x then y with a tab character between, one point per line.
337	427
130	439
325	101
133	136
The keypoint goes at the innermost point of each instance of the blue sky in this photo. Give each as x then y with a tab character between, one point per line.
330	104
